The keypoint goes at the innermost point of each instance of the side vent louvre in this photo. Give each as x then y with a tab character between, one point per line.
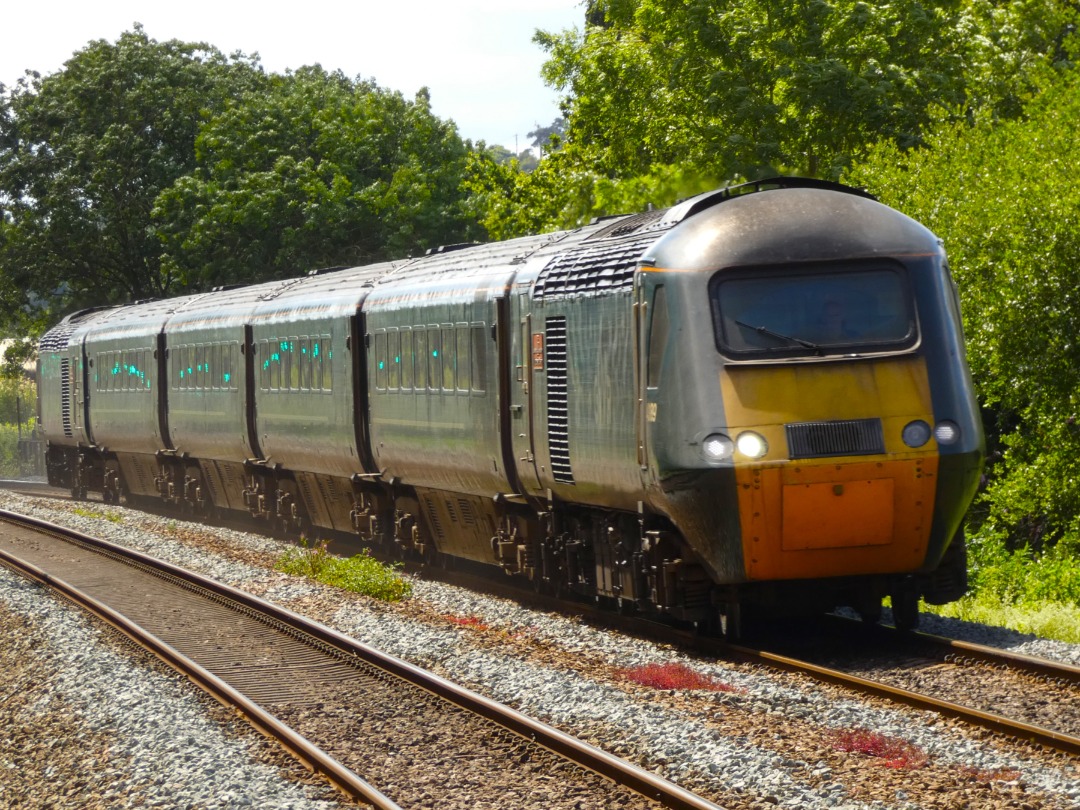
432	511
558	401
65	395
853	437
468	516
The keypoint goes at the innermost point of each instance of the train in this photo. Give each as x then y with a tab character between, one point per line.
756	398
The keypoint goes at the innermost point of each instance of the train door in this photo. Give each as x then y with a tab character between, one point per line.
250	380
651	328
526	360
73	394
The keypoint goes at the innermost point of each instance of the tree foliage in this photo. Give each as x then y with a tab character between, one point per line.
1003	196
83	155
146	168
664	97
754	87
314	169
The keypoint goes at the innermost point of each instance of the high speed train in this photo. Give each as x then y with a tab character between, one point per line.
756	397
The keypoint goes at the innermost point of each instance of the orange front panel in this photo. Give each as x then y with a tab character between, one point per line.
796	526
833	515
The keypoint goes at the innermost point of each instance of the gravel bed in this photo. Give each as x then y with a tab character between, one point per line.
772	740
90	721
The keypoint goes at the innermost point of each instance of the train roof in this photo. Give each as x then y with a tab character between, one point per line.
596	259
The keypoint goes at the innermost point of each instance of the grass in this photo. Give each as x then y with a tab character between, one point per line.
360	573
1053	620
94	514
1021	589
673	676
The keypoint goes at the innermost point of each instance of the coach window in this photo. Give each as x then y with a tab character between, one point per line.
213	368
320	366
200	367
296	363
478	355
319	371
380	361
435	359
189	368
420	346
393	357
448	359
227	381
461	358
303	363
285	364
274	361
407	359
262	357
278	380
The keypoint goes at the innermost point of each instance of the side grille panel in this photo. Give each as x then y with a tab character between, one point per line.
558	401
852	437
65	396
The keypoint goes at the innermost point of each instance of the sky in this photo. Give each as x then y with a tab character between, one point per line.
476	56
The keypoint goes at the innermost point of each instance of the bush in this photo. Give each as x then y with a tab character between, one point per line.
1003	198
360	573
18	400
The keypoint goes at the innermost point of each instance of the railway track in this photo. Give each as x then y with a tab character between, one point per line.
913	669
918	670
934	674
349	709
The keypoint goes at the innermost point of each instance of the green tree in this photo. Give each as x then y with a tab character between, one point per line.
84	153
314	169
665	98
1004	198
754	87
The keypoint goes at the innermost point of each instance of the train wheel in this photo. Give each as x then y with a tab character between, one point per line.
905	608
869	609
731	622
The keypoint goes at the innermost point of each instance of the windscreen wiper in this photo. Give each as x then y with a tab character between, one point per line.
806	344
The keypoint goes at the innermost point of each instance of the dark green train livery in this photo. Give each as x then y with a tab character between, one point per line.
759	395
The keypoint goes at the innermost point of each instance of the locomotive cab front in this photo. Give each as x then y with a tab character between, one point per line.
810	422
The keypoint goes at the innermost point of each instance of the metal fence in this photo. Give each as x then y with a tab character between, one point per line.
31	457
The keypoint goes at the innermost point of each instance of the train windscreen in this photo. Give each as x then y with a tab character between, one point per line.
779	313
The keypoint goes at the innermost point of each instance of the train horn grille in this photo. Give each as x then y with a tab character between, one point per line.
851	437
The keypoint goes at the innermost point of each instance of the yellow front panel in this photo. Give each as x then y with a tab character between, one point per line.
824	517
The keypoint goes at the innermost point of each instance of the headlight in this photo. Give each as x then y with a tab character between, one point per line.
947	432
752	445
916	434
717	447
